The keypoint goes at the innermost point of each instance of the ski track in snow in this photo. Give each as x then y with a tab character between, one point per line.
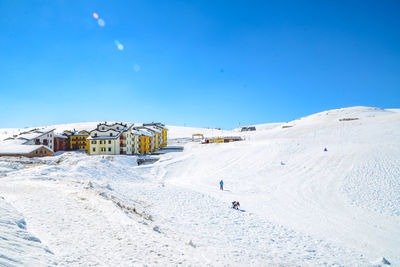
302	206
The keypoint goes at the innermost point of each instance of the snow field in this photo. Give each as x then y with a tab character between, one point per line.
84	224
302	206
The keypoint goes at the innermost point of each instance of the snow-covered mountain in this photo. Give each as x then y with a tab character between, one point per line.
300	205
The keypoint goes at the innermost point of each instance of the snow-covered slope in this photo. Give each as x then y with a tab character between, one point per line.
349	194
18	246
301	205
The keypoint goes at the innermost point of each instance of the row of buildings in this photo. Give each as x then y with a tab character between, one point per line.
105	139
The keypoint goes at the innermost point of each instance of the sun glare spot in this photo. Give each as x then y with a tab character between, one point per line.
95	15
101	22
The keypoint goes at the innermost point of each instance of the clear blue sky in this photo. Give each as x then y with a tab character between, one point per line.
199	63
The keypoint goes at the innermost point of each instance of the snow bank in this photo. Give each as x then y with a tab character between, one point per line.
18	246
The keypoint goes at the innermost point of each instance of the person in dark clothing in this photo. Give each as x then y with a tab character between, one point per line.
236	205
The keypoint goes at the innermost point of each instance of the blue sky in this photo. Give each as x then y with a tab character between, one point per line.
195	63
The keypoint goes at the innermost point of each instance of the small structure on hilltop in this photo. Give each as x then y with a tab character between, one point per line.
224	139
197	135
247	129
348	119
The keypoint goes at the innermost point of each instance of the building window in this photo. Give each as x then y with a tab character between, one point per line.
94	149
95	135
109	149
102	128
109	141
111	134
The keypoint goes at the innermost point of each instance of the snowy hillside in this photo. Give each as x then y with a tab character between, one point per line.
300	205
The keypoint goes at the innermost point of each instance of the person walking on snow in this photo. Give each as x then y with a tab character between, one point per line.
221	185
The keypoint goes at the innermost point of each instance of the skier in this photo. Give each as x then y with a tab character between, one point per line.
235	205
221	185
325	149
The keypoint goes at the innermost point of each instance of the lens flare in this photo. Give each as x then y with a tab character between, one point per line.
119	45
95	15
136	67
101	22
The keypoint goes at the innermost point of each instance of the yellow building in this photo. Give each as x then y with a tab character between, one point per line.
102	146
155	134
225	139
77	140
144	142
217	140
164	131
164	137
156	137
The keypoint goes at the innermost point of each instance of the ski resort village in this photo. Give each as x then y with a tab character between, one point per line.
322	190
105	139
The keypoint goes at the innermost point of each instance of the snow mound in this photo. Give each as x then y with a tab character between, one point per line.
18	246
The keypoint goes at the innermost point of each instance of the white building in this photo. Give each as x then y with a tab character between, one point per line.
36	137
113	139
